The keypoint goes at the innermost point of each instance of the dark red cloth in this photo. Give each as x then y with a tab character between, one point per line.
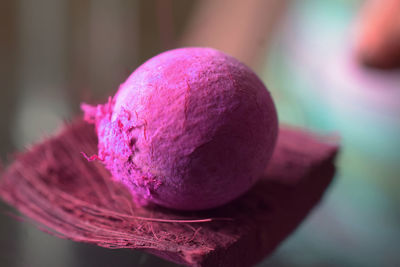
70	197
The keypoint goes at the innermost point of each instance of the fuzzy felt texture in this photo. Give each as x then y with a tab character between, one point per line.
190	129
67	196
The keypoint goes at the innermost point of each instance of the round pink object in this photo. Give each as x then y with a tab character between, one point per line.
190	129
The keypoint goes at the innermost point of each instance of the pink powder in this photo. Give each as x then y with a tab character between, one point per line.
190	129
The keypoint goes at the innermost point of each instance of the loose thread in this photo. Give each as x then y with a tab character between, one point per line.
92	158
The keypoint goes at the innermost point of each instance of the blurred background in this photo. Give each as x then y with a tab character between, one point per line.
330	65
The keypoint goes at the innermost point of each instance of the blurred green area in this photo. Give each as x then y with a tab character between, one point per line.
318	85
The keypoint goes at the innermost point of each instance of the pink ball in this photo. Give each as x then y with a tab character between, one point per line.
190	129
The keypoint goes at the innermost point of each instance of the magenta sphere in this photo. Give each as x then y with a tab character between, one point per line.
190	129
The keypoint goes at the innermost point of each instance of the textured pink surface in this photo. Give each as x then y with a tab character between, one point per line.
190	129
67	196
